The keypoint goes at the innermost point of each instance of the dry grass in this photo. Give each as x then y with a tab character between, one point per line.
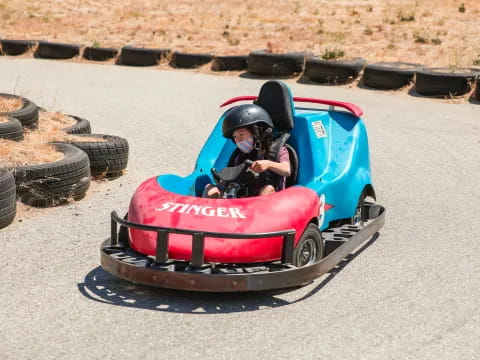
32	150
444	33
10	104
3	119
53	121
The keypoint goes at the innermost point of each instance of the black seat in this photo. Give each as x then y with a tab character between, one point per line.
276	99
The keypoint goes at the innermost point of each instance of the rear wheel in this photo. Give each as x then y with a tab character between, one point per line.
310	247
360	217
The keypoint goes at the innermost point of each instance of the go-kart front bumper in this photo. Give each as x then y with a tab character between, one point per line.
121	261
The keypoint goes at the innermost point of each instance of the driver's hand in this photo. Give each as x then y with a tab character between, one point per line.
260	166
213	192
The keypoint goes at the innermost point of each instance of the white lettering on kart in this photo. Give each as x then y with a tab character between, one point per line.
201	210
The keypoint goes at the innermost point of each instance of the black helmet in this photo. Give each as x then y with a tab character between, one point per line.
245	116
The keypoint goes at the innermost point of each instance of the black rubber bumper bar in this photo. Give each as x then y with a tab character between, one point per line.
121	261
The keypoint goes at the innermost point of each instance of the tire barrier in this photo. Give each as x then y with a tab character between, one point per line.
229	63
333	71
28	114
389	75
8	199
53	50
109	156
54	183
99	54
17	47
444	81
381	75
82	126
135	56
189	61
264	63
11	129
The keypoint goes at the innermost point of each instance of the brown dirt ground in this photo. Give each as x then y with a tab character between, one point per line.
440	33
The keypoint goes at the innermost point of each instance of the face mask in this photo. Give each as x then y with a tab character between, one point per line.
246	146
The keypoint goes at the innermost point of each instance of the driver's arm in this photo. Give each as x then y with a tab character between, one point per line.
280	168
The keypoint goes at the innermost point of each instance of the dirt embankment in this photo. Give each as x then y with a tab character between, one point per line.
440	33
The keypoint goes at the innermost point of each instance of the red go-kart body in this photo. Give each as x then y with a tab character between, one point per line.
152	205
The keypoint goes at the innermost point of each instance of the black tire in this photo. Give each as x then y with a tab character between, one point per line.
189	61
11	129
16	47
99	54
360	215
54	183
52	50
477	90
28	114
8	200
389	75
141	56
109	157
82	126
333	71
444	81
310	247
229	63
264	63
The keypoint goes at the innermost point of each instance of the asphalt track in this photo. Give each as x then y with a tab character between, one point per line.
411	293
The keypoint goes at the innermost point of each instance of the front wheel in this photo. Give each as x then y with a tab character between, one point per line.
310	247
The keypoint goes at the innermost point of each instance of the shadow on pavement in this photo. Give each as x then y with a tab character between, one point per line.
102	287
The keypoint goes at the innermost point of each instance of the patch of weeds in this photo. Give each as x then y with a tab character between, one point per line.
297	7
419	38
406	16
330	54
477	62
368	31
337	36
436	41
135	14
461	8
231	40
391	45
353	12
95	44
370	8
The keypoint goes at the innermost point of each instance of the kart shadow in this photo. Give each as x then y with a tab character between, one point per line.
102	287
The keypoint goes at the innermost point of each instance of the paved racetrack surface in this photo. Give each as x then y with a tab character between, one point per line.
411	293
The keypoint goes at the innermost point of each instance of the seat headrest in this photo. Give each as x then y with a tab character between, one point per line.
276	99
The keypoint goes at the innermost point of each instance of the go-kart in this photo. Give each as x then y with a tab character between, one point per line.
172	237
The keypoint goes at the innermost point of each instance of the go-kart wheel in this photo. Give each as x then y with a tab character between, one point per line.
310	247
123	238
360	216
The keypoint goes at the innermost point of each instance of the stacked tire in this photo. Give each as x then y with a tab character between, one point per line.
444	81
389	75
11	129
108	156
8	200
264	63
54	183
333	71
27	114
